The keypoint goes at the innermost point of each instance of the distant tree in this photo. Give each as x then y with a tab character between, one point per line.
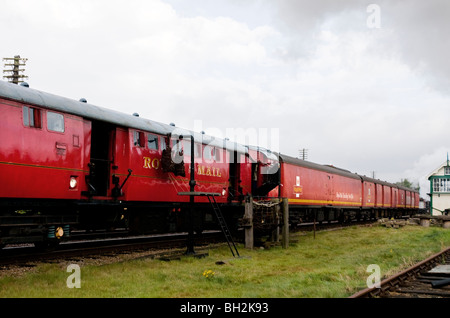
408	184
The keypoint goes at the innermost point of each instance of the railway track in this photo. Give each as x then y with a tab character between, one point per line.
325	226
158	245
100	243
427	279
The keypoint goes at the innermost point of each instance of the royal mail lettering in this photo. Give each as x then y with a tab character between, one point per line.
151	163
208	171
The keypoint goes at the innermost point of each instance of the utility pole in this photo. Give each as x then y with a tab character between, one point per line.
15	62
303	154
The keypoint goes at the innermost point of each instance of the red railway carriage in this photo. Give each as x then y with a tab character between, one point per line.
140	150
42	153
312	187
306	183
149	181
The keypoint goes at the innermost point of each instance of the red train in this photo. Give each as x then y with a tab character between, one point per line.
327	193
69	166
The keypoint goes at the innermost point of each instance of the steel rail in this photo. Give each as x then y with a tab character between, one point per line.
394	282
82	249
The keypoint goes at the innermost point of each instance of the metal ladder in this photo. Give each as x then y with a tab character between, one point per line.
223	225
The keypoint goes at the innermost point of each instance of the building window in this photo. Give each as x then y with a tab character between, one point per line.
441	185
152	141
31	117
447	170
55	122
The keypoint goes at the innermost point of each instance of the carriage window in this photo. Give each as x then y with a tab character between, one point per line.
138	138
31	117
217	152
152	141
197	150
187	148
207	153
55	122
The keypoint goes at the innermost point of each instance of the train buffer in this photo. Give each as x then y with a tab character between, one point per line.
219	216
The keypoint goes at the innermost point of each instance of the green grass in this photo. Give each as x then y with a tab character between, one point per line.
332	265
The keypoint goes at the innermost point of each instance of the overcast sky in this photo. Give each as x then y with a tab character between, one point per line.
363	87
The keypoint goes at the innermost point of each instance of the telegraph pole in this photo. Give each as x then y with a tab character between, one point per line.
303	154
13	74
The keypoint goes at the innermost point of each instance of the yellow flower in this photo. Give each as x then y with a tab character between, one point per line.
208	273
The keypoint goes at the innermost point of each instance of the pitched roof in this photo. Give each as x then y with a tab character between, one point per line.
436	171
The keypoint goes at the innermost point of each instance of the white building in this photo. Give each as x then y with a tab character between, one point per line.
440	189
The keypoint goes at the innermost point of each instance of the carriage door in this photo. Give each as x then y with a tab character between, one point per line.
102	139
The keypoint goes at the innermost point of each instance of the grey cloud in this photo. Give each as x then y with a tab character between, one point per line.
414	31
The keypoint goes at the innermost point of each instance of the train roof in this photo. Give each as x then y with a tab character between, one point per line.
407	189
373	180
316	166
338	171
86	110
365	178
